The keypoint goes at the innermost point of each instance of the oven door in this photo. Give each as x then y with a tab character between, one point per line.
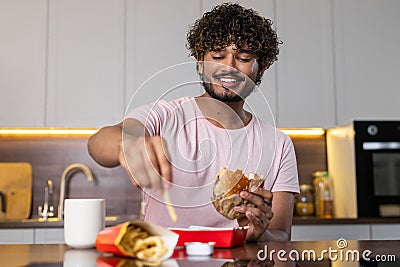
378	179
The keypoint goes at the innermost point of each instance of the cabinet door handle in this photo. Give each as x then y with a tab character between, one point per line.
3	201
381	145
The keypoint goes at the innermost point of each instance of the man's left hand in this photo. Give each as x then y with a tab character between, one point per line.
257	217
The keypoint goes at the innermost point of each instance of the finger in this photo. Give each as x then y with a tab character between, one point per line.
131	177
254	220
259	223
264	217
264	193
138	176
164	165
152	174
256	200
133	171
133	164
160	162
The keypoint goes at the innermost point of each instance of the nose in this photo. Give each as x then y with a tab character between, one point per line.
230	61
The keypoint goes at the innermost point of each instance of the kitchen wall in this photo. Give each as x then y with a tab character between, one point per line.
49	156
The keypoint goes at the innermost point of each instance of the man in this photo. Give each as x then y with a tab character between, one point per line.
180	145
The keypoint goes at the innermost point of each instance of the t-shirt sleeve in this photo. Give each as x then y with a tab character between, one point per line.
287	176
152	116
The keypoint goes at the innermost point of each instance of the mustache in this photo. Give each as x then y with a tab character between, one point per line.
235	75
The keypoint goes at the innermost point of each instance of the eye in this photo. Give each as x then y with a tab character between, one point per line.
217	57
245	59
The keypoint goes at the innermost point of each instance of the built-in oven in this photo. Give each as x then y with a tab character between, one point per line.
364	163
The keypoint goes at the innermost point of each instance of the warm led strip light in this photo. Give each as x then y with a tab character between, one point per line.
304	131
47	131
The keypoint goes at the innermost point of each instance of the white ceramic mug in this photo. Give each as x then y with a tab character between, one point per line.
83	220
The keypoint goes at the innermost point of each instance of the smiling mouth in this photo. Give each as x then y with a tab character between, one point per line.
229	81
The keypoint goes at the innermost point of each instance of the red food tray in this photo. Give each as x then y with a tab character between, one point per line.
223	237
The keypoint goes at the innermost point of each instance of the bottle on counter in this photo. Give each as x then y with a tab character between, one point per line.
323	187
326	201
305	201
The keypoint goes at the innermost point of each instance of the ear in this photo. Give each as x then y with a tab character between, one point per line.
200	67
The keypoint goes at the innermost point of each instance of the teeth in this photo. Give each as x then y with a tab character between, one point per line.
227	80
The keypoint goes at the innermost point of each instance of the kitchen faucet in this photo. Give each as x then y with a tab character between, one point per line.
71	168
47	210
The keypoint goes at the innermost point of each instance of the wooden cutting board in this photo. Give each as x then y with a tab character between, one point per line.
16	187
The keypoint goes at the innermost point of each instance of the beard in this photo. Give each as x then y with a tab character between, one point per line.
227	95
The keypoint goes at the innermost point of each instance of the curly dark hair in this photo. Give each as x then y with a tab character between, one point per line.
230	23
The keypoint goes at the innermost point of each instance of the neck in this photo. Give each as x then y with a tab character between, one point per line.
228	115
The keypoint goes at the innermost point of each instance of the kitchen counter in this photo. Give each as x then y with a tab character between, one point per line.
298	220
340	253
113	220
304	229
55	223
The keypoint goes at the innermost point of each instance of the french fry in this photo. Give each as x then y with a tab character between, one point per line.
170	208
134	240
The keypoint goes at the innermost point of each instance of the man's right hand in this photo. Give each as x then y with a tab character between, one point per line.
129	144
145	160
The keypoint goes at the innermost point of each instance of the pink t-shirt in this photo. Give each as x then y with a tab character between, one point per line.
197	149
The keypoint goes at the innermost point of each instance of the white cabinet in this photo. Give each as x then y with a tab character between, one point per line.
305	85
32	236
156	50
73	63
346	231
385	231
16	236
49	236
367	42
22	62
331	232
86	60
62	63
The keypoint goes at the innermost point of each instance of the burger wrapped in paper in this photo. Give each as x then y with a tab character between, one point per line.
227	187
137	239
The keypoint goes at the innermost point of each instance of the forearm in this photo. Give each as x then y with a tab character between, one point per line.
275	235
280	226
104	146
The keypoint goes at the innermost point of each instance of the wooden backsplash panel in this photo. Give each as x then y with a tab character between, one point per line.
49	156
